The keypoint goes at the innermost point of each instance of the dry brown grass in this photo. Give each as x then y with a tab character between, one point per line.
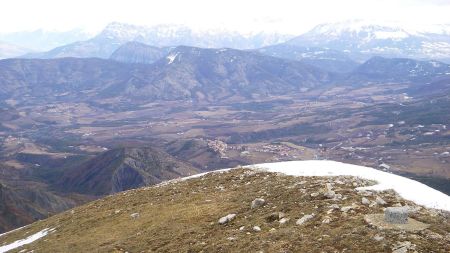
182	217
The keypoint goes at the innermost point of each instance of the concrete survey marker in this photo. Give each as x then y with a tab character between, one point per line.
395	218
396	215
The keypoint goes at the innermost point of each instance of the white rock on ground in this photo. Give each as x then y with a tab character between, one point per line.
134	215
326	220
304	219
258	203
283	221
227	218
314	194
403	247
346	208
380	201
329	194
256	228
365	201
334	206
378	238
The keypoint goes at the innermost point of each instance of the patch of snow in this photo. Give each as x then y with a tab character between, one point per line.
188	177
171	58
407	188
390	35
435	64
27	240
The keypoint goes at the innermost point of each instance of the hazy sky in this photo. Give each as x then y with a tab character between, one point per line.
287	16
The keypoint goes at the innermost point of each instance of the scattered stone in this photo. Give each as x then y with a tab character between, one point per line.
272	230
256	228
403	247
396	215
272	217
72	211
258	202
275	216
283	221
326	220
227	218
384	166
346	208
242	228
329	194
117	211
134	216
378	238
364	193
337	181
434	236
304	219
365	201
380	201
334	206
315	194
329	187
231	238
413	209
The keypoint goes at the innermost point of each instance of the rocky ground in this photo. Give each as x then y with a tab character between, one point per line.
241	210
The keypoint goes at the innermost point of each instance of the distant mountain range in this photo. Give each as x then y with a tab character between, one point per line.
186	73
362	40
335	47
8	50
397	70
327	59
116	34
41	40
190	73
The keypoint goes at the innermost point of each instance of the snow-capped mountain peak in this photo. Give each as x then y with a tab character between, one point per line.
121	31
174	35
362	28
366	39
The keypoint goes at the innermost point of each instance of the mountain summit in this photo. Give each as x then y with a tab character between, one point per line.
116	34
250	209
363	39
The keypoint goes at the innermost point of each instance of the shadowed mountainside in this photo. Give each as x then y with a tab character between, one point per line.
122	169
